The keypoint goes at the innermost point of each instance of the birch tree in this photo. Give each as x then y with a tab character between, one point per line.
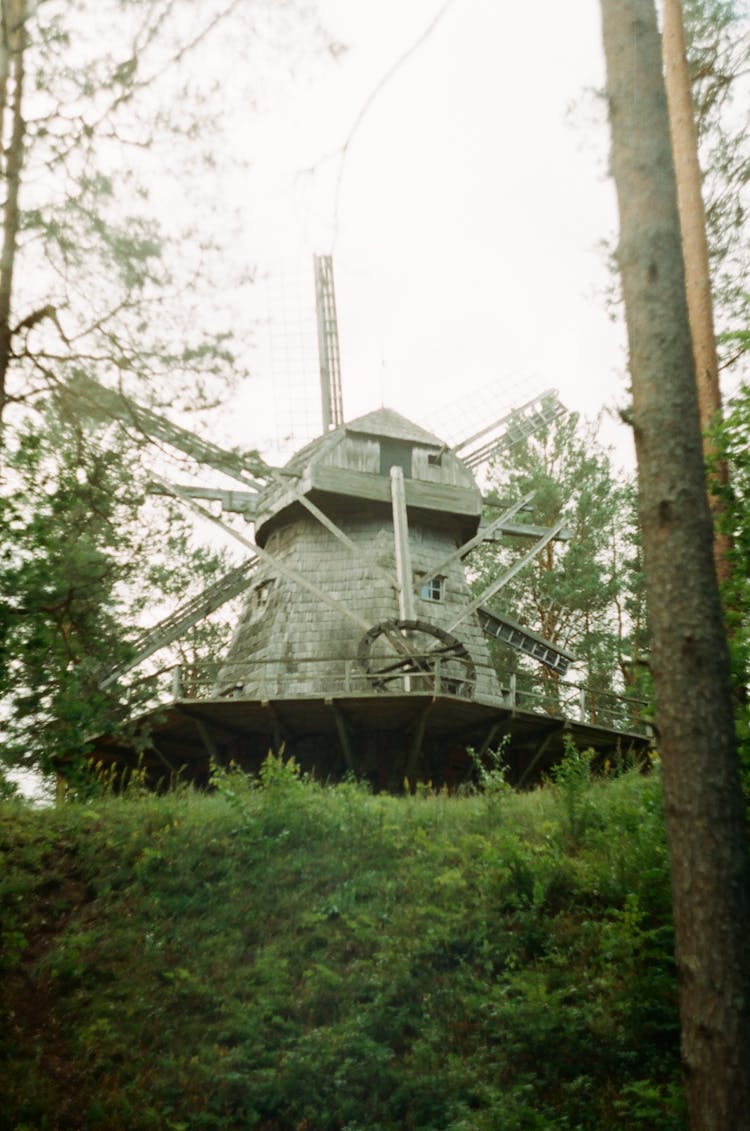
99	101
106	105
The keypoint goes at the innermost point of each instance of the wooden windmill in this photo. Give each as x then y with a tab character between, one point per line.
361	645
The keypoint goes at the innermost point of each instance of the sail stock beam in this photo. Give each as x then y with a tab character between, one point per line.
511	429
482	536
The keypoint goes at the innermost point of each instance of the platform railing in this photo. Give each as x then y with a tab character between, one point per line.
279	677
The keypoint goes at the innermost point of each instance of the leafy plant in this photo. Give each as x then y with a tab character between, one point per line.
280	954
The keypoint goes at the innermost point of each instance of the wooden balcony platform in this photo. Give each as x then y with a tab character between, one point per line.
383	736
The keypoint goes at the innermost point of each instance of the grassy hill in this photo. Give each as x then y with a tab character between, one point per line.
282	955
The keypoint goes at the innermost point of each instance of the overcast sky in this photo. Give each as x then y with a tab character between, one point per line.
466	219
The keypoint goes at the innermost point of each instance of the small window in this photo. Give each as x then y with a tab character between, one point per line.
433	589
260	598
435	458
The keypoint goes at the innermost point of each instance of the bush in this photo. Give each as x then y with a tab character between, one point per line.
281	955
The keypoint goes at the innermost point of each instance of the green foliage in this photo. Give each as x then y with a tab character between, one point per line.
491	770
60	564
572	776
109	269
281	955
80	563
92	263
584	593
732	438
718	48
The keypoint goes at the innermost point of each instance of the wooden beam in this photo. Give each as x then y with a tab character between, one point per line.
281	567
342	731
279	734
541	750
506	577
403	552
467	547
207	739
337	532
489	738
417	740
431	496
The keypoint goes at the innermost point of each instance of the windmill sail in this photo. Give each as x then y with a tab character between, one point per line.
88	397
500	627
179	622
328	344
511	429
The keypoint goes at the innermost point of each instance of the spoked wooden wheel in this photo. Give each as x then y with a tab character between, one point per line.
414	655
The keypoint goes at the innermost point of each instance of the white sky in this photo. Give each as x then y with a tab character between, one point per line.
472	206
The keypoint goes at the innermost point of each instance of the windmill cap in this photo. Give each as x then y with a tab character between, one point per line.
391	424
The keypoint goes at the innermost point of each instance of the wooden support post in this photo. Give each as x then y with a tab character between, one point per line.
417	740
488	739
343	732
207	739
541	750
164	760
278	737
403	553
406	608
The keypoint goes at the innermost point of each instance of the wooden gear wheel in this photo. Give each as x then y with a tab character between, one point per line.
426	656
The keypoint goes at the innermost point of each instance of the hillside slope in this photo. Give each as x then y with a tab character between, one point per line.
279	955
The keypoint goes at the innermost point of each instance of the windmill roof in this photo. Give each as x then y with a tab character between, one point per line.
388	422
382	422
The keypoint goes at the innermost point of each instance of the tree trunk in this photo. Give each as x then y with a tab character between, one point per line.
694	248
704	810
12	137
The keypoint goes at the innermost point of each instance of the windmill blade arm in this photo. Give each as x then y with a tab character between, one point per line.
278	564
504	578
500	627
328	343
94	400
511	429
232	502
182	619
496	533
482	536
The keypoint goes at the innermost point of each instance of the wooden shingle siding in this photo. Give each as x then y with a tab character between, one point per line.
291	642
298	645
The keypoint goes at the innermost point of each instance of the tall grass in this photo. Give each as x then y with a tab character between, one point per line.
282	955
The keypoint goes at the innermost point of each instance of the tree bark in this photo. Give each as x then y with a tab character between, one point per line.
13	31
694	249
704	810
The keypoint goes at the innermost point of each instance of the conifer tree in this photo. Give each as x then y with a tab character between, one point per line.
580	592
705	815
85	556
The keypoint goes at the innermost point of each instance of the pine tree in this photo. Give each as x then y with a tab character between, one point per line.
705	815
85	555
576	592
